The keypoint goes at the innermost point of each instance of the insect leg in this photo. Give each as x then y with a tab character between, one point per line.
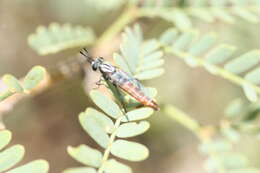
118	95
121	97
99	83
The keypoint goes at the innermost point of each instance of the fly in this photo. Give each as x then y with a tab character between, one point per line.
120	79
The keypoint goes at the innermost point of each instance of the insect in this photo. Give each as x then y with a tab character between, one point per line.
120	79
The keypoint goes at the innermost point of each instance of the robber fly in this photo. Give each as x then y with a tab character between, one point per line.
120	79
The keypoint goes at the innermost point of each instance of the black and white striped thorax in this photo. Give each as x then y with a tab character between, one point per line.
102	66
106	69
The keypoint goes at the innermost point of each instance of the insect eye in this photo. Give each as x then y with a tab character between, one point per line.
95	66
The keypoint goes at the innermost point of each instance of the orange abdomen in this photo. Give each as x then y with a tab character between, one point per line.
139	95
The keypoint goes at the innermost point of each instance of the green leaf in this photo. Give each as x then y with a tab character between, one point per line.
245	14
130	49
212	165
220	54
151	65
5	95
11	156
222	15
140	58
244	62
12	83
231	70
149	47
5	138
97	128
151	57
106	104
86	155
234	108
226	161
168	36
179	18
233	160
216	146
149	74
100	120
253	76
131	151
184	40
138	114
57	37
191	62
132	129
80	170
150	92
102	7
34	77
113	166
201	14
39	166
119	60
250	93
203	44
231	133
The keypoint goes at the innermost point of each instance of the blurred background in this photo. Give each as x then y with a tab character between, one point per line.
48	123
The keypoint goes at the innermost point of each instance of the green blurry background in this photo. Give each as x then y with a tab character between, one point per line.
48	123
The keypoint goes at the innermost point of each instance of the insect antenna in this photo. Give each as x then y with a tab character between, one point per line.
85	53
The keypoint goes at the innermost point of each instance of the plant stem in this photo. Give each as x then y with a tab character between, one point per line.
111	141
128	16
183	119
118	96
213	69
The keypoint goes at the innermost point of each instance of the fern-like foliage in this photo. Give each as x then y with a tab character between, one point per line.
239	119
111	128
105	7
225	11
242	117
216	58
217	143
222	158
57	37
142	59
9	157
9	85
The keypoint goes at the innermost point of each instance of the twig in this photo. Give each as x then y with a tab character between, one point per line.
54	75
128	16
111	141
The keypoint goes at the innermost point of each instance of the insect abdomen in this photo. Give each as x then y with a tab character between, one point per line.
139	95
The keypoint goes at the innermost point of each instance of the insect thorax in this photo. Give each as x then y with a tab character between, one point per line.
106	68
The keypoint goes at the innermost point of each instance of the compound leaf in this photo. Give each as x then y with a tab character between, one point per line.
86	155
138	114
113	166
96	127
57	37
80	170
34	77
131	151
106	104
132	129
248	63
11	156
5	138
12	83
39	166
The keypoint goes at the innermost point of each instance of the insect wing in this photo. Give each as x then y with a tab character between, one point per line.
131	79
